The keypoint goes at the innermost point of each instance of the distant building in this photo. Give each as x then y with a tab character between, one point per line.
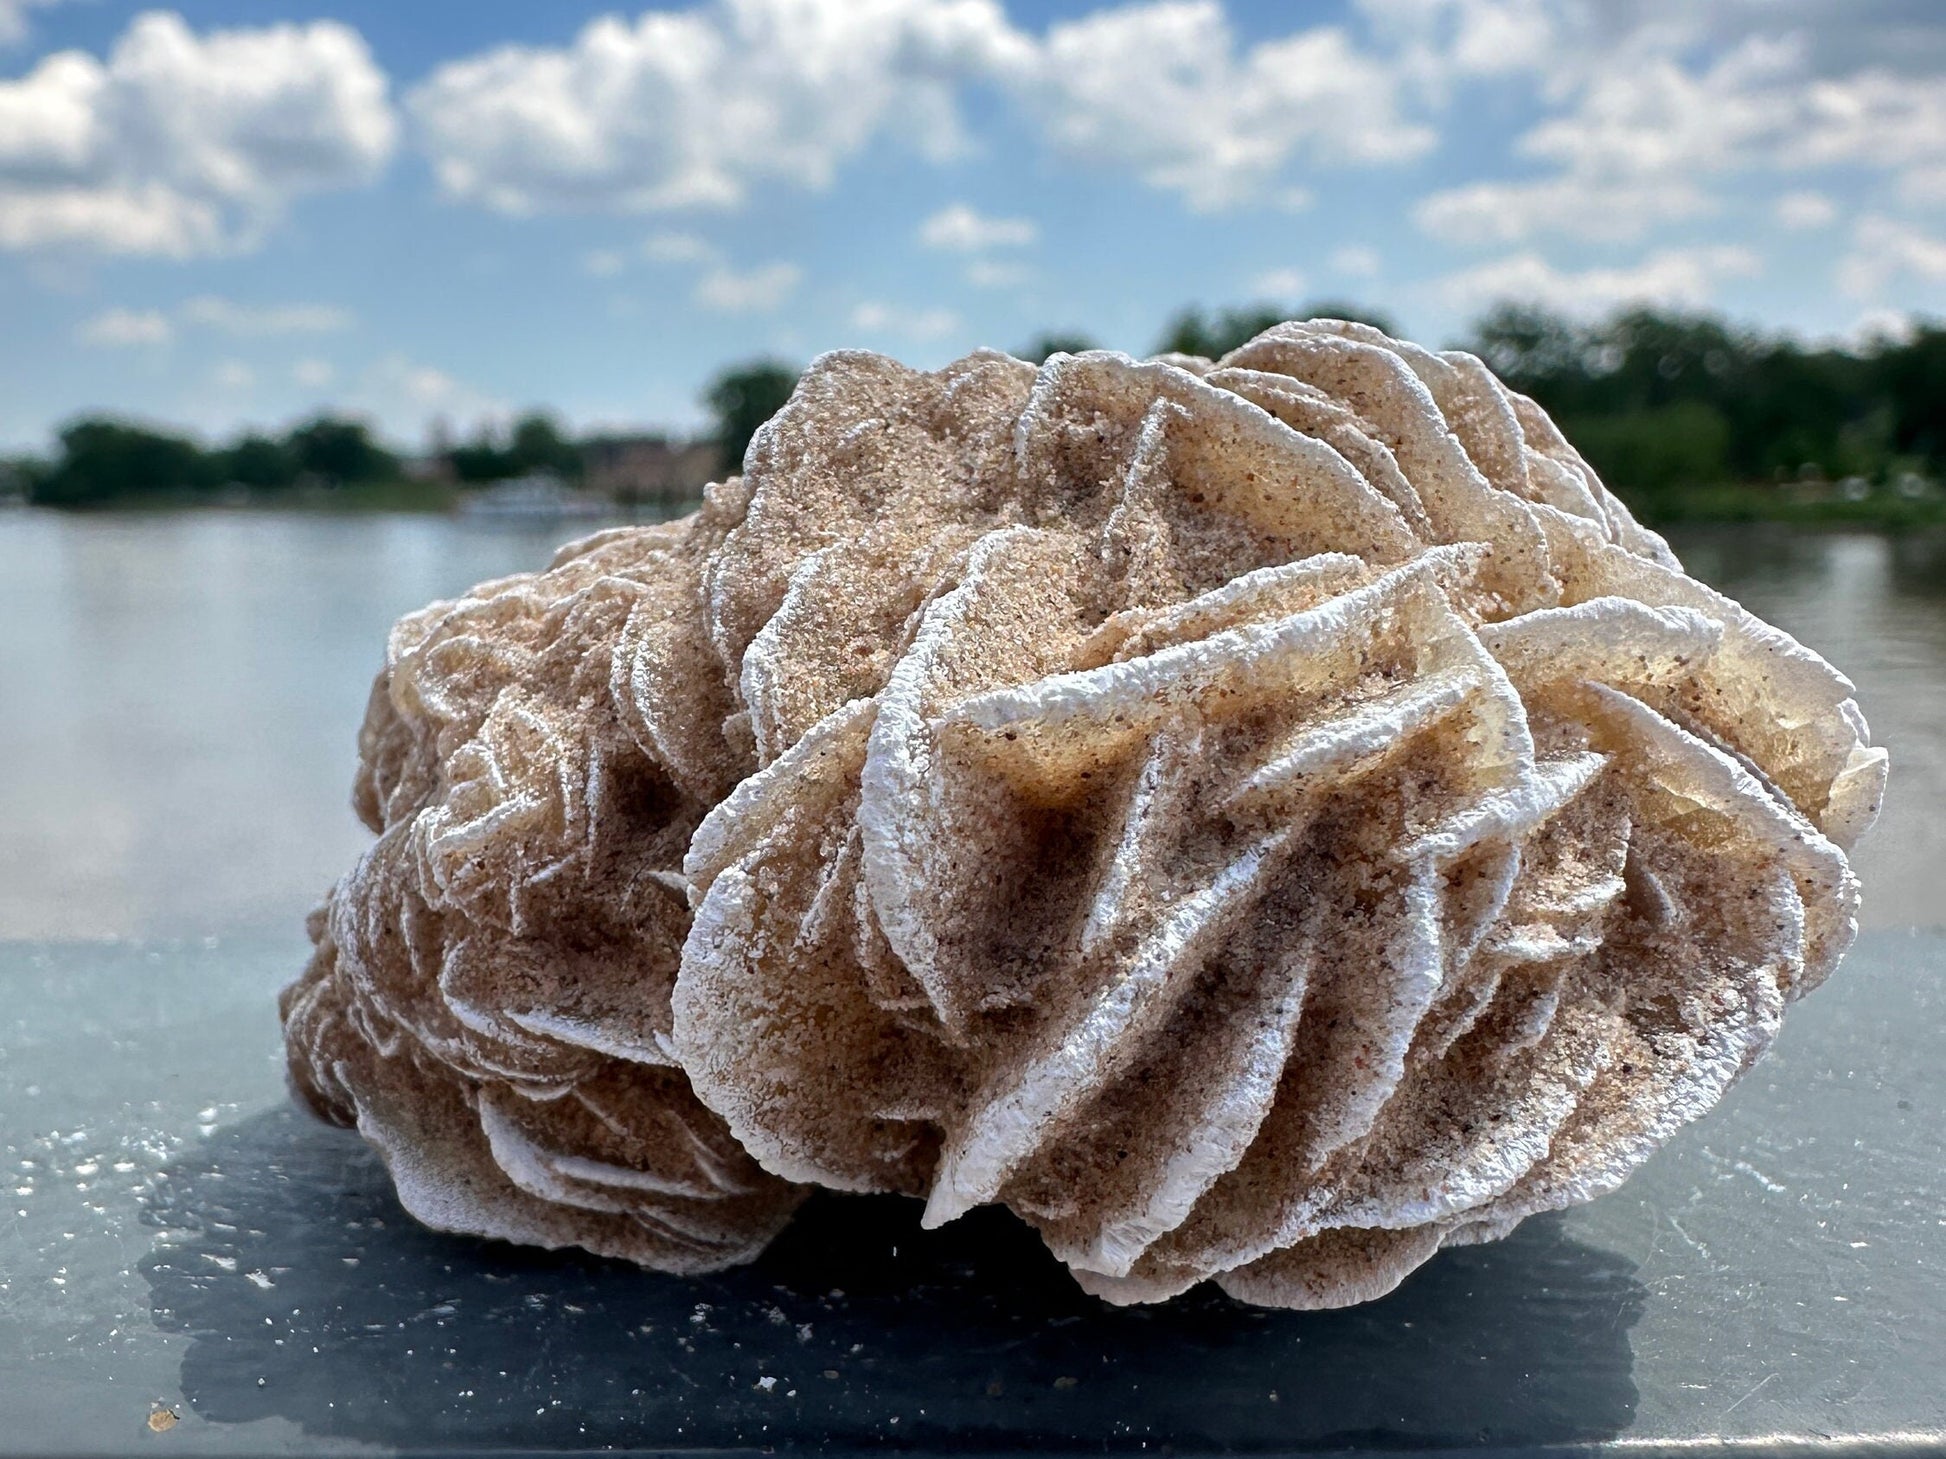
631	469
435	466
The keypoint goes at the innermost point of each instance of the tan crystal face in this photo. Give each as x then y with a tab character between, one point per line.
1259	819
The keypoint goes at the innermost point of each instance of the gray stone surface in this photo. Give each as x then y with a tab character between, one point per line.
172	1234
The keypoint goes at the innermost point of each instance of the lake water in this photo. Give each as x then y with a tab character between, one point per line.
180	694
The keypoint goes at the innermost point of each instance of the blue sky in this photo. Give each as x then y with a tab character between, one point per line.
235	213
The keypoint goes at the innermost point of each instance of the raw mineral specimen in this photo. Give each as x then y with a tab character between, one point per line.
1263	820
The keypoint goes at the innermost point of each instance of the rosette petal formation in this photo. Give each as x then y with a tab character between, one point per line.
1260	820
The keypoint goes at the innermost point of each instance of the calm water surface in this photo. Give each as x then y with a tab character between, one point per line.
179	698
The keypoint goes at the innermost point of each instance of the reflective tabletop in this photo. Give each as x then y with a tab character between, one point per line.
187	1265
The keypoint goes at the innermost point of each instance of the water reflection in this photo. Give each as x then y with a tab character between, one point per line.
182	694
1875	605
192	686
1919	564
309	1294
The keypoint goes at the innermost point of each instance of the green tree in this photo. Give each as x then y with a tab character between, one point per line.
1656	455
259	463
1654	359
1531	348
1912	378
340	451
539	444
482	459
1790	408
1661	401
1193	332
742	398
104	460
21	476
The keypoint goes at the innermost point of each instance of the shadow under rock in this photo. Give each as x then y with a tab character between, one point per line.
310	1294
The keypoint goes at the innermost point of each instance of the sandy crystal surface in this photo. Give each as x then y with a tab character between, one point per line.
1260	820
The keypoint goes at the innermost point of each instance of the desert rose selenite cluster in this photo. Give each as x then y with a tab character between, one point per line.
1261	820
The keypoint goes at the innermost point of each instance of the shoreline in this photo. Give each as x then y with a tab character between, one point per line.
407	499
1715	506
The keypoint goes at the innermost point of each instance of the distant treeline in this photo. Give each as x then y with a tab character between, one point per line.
1668	406
100	460
1688	415
1683	414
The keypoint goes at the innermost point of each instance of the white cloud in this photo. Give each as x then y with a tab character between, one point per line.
1630	152
181	145
698	107
1439	41
751	291
959	229
1356	260
1582	207
1660	119
1923	186
661	247
1873	119
1884	249
122	328
1279	285
986	273
404	395
1565	44
221	316
1651	109
234	375
13	18
695	107
1670	276
423	384
1877	327
141	219
915	324
1163	90
314	374
259	320
1804	209
678	248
